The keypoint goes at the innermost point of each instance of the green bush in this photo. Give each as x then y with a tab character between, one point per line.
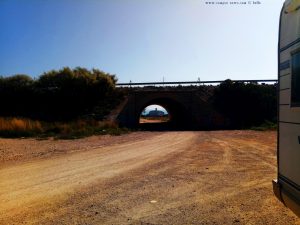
246	104
267	125
60	95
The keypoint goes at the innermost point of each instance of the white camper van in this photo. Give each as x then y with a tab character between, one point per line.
287	185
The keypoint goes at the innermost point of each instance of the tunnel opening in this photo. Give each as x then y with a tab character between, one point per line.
169	115
154	114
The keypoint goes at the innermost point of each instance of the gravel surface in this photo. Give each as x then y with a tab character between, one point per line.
218	177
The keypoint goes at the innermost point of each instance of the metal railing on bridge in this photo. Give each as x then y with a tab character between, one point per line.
192	82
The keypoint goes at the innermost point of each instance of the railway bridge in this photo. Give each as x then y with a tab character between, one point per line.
189	107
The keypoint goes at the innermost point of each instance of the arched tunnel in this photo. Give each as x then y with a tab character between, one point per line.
186	109
178	114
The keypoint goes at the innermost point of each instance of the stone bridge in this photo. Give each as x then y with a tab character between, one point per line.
188	109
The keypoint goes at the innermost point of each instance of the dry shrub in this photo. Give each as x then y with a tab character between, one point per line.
19	127
83	128
20	124
107	124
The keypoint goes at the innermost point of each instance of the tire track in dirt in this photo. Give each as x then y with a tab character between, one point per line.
31	183
173	178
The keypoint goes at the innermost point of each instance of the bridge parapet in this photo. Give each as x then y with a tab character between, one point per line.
190	107
197	83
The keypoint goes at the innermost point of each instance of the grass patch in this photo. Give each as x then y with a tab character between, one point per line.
22	127
18	127
267	125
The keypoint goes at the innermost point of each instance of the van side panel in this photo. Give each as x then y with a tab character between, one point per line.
289	117
289	153
286	114
290	28
287	187
285	81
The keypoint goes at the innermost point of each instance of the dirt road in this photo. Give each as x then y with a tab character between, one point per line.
144	178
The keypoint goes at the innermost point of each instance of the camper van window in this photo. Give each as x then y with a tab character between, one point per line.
295	96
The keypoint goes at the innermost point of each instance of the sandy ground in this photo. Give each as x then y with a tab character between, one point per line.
221	177
157	120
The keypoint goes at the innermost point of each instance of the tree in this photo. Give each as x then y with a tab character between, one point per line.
63	94
246	105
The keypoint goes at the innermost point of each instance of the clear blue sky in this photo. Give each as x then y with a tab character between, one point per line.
141	40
